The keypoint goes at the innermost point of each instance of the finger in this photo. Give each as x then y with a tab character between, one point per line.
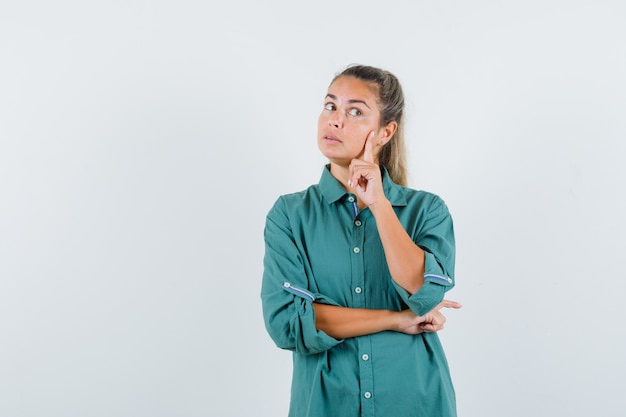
440	319
432	327
358	175
354	175
448	304
362	182
436	318
434	321
368	152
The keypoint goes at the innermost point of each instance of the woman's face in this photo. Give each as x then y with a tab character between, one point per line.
350	114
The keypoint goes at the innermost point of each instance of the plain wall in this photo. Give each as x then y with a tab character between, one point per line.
143	142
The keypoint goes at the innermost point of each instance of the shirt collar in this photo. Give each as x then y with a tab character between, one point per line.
332	190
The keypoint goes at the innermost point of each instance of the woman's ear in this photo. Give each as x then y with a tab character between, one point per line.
387	132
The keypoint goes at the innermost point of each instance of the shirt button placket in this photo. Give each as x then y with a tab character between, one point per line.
366	375
359	299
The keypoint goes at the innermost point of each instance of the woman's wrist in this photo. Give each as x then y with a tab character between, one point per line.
394	321
380	207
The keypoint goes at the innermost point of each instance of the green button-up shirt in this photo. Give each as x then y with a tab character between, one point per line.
319	248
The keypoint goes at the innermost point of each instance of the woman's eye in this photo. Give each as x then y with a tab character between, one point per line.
355	112
329	106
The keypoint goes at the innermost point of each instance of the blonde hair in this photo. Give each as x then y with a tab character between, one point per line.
391	105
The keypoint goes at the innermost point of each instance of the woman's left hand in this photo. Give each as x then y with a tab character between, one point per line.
365	175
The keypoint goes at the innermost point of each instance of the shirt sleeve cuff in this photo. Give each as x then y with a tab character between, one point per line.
307	338
436	283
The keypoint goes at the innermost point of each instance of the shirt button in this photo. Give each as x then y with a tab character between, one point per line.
356	250
357	223
368	394
351	199
358	290
365	357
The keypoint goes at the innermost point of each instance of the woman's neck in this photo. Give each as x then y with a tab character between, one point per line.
341	174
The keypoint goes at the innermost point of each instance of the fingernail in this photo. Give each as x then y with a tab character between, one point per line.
349	183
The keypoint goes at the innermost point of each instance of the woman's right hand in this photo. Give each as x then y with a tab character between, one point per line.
408	322
433	321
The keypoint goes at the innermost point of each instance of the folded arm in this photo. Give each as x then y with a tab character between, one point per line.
344	322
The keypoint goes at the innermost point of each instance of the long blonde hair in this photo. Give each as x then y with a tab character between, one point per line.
391	105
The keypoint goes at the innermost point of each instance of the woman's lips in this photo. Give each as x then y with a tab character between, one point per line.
331	139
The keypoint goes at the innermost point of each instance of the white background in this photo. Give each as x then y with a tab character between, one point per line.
142	144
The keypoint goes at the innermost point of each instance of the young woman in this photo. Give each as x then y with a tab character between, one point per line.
356	267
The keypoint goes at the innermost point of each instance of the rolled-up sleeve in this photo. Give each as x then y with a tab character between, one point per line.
286	298
436	238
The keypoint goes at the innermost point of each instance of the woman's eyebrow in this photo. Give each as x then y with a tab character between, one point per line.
353	101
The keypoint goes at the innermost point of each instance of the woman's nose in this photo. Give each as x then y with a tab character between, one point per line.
335	120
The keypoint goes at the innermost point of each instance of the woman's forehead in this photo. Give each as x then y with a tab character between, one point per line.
348	87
